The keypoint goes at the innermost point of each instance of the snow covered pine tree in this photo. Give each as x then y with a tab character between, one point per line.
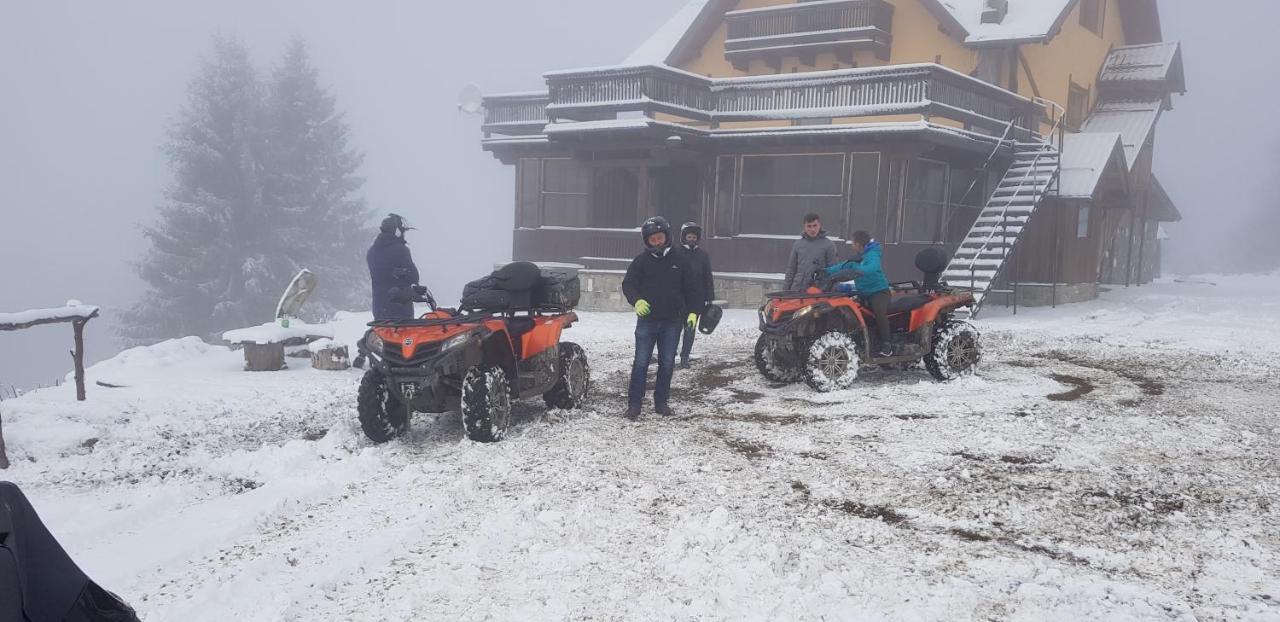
264	185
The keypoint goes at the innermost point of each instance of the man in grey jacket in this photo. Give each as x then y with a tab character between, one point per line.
813	251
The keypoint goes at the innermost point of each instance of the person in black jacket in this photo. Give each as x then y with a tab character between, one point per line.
700	266
663	291
390	266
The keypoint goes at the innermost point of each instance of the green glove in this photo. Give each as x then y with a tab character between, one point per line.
692	321
642	308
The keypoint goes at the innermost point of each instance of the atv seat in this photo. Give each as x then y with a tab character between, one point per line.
908	303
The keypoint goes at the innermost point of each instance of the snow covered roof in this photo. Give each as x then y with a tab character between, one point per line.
1085	158
1027	20
1132	119
1159	205
662	44
1159	63
74	310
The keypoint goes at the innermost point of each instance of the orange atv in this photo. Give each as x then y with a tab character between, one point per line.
826	336
474	360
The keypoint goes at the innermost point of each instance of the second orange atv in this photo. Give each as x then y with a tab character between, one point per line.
474	361
825	336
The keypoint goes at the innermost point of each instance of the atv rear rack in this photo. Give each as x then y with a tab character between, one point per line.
469	317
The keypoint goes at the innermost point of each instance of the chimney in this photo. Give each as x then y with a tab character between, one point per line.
993	11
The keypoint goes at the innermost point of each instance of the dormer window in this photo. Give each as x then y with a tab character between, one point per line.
1093	14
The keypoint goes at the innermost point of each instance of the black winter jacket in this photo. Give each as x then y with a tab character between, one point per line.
390	265
666	282
700	266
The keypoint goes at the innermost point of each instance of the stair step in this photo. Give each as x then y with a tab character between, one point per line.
1014	210
1015	191
996	221
977	263
978	276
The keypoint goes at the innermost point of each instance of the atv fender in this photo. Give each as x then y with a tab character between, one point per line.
497	351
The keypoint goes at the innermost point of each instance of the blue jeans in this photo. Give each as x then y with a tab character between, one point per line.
666	335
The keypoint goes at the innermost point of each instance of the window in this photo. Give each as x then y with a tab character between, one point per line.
1082	222
1092	15
925	202
864	192
1077	105
566	189
968	196
615	198
528	193
778	190
726	187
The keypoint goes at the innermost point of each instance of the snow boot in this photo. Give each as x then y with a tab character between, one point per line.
664	410
633	412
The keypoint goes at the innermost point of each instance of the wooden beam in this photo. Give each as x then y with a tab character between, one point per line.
4	458
62	319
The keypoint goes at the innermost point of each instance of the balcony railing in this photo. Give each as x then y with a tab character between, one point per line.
515	114
926	89
805	29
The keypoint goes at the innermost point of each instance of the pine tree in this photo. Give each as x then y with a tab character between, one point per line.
264	185
310	182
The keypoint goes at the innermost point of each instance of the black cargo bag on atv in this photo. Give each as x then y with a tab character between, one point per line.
523	285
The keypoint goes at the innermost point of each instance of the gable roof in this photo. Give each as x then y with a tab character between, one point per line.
1151	66
1027	20
1086	157
681	35
1134	120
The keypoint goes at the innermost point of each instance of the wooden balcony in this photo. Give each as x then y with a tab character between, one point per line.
805	29
928	90
516	114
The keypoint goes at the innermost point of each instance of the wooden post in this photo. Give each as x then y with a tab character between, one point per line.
78	357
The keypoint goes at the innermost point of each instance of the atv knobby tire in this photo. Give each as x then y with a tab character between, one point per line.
486	403
833	362
575	379
382	415
957	350
775	361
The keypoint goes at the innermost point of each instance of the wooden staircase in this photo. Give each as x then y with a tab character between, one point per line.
986	249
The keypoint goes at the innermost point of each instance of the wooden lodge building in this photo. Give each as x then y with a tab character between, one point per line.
1017	134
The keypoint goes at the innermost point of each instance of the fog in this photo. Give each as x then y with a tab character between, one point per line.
89	89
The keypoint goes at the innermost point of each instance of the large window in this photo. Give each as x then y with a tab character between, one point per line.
615	199
528	193
924	205
864	192
778	190
1077	105
1093	14
566	188
726	189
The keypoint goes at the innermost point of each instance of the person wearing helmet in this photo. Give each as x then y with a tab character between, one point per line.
391	266
664	292
700	266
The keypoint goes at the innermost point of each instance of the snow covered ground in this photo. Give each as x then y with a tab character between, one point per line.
1112	460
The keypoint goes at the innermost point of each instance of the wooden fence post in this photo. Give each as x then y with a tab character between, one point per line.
4	458
78	356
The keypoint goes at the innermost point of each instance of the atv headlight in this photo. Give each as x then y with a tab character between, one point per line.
455	341
373	342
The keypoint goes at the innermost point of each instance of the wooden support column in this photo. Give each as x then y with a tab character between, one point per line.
77	356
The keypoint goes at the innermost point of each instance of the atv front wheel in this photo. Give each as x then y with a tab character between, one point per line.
957	350
775	360
486	403
382	415
833	362
575	379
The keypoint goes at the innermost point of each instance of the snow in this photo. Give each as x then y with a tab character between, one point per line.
200	492
1085	157
1026	19
273	332
1133	120
73	309
659	46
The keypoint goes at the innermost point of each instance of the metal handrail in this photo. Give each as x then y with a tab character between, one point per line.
1058	118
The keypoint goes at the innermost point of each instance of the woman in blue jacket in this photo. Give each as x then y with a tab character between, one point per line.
872	285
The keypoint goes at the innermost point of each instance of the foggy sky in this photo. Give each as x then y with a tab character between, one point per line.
89	89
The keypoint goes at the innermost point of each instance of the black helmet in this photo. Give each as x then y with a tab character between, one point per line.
395	222
710	319
657	224
690	227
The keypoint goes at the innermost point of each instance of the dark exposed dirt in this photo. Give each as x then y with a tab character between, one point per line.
1082	388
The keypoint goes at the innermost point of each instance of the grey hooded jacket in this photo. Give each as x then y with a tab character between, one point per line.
808	254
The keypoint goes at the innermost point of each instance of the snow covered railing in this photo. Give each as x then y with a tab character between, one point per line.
73	313
805	29
926	89
515	113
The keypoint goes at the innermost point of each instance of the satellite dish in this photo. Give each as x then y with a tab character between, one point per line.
471	100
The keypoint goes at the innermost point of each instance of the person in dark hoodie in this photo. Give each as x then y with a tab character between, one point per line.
812	252
391	265
700	266
664	292
873	286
